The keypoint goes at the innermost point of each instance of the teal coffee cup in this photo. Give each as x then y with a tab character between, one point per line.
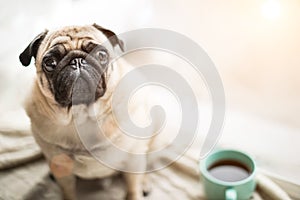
228	175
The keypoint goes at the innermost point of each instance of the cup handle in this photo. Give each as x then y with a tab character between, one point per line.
230	194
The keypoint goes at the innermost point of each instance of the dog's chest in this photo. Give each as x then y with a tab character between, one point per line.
83	134
85	143
89	167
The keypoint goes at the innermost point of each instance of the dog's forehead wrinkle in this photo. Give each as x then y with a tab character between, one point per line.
75	37
74	44
60	40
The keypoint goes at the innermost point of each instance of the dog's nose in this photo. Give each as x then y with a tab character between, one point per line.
77	63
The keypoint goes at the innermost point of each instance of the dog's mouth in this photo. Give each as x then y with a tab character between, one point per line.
78	79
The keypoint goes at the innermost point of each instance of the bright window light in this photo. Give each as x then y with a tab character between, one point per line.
271	9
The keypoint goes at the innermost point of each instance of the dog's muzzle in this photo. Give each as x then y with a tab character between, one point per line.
78	79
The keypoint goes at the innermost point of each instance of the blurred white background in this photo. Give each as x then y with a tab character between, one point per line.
255	45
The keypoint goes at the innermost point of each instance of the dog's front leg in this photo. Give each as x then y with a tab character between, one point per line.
61	167
135	181
134	184
68	186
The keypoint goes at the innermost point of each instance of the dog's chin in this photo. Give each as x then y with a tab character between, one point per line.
81	94
83	90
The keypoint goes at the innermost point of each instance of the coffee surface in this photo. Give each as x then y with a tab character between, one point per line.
229	170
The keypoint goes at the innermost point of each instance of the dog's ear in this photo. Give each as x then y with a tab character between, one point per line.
32	49
114	40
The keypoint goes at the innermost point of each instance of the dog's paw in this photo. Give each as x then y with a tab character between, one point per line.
146	192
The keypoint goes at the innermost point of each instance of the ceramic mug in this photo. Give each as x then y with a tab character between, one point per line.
228	175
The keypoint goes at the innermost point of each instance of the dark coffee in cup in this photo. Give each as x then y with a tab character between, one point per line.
229	170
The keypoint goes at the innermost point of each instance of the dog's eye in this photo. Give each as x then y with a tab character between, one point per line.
49	64
103	56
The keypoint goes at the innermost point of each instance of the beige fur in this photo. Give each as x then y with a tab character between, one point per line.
55	131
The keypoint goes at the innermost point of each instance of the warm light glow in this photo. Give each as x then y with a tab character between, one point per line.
271	9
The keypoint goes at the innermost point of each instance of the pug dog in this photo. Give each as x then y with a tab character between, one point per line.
75	78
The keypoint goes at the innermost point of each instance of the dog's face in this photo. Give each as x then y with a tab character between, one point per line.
72	63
